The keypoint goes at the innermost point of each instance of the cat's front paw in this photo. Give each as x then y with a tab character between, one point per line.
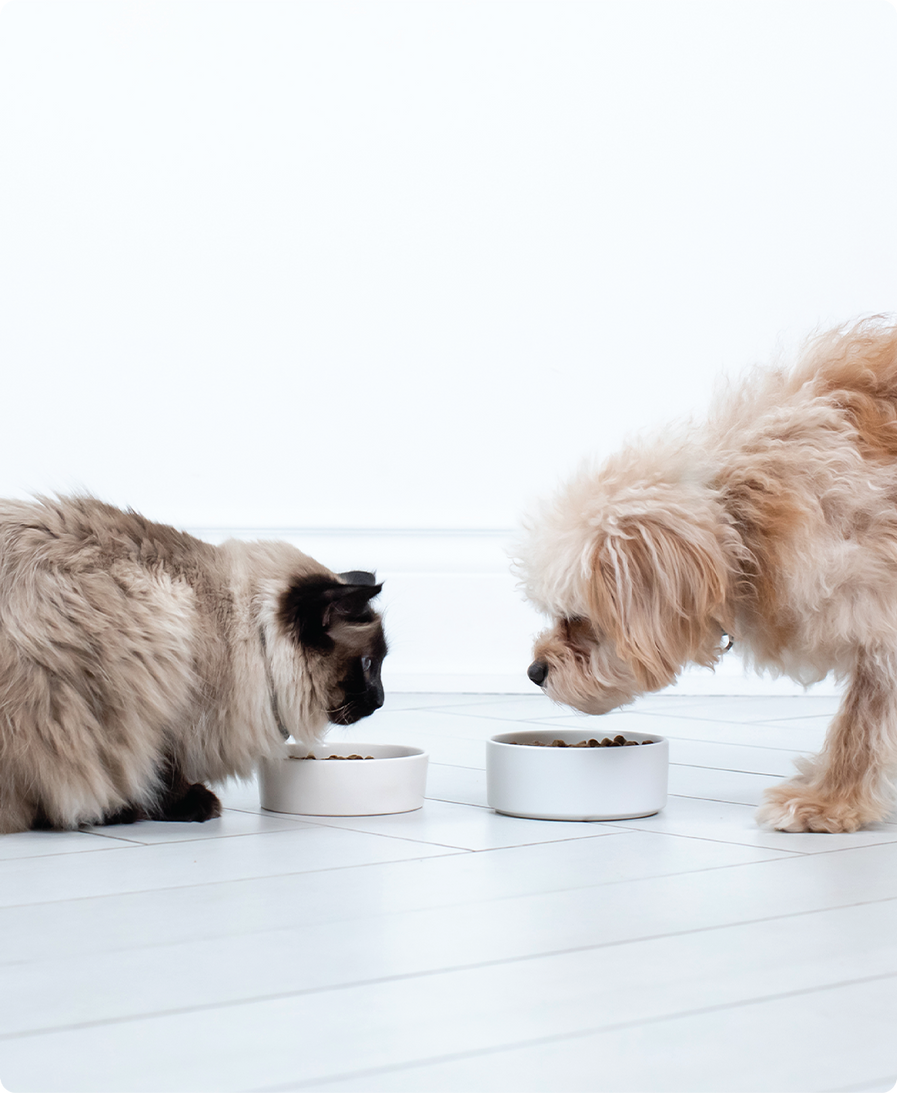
197	805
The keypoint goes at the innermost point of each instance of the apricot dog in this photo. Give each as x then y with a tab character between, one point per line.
774	524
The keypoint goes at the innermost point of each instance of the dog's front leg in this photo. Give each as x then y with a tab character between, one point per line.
849	784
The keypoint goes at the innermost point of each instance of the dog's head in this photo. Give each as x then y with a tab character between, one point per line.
342	641
637	588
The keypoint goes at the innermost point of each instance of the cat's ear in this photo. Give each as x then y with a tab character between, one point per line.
358	576
312	606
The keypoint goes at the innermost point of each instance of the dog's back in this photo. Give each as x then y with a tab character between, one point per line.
805	464
856	370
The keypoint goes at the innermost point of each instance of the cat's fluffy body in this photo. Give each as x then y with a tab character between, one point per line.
137	660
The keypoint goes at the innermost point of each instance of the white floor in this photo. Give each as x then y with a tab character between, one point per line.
456	949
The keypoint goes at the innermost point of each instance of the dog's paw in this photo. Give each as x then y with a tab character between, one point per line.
795	806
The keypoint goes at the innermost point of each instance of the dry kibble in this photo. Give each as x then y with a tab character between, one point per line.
617	742
311	755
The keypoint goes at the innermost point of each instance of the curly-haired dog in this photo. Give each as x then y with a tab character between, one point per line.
776	524
137	662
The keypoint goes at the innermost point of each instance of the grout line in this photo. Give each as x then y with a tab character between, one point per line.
67	853
740	721
613	827
228	880
469	849
733	770
885	1085
563	1037
458	968
603	829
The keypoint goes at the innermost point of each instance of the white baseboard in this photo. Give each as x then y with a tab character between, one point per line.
708	684
454	618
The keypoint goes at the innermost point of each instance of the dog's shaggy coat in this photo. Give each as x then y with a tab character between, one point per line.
137	662
775	523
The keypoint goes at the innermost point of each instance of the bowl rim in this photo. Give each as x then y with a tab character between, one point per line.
507	739
356	747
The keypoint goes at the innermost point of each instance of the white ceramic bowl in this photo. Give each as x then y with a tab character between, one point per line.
394	780
544	783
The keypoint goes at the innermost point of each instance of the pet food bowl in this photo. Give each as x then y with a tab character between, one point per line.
392	780
576	783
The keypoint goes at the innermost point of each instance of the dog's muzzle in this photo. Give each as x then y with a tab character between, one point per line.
538	672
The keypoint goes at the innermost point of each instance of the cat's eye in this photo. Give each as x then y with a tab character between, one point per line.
365	664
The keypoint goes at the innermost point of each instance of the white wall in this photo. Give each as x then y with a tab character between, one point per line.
373	272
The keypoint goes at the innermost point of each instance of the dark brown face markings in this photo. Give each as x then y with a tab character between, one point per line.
333	620
313	605
360	685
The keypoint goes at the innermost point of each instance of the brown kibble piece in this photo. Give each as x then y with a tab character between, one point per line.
617	742
311	755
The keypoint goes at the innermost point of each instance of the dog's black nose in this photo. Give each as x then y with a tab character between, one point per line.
537	671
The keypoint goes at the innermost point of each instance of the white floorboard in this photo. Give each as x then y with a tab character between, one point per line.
456	949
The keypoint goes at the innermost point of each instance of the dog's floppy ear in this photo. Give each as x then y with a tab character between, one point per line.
312	606
658	590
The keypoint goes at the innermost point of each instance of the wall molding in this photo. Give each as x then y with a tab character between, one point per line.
455	619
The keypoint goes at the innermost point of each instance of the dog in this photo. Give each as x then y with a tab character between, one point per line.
138	662
774	525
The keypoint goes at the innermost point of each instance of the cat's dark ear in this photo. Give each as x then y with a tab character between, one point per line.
358	576
312	606
351	601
